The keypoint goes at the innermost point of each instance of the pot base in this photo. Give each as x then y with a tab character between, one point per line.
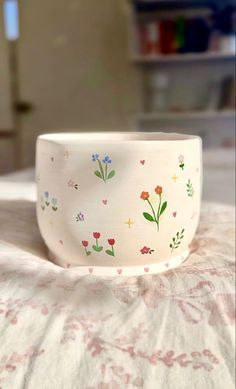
111	271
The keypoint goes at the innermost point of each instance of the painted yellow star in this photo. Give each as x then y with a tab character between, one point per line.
174	178
129	222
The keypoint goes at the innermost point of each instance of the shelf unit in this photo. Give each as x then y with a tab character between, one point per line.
173	58
189	72
190	115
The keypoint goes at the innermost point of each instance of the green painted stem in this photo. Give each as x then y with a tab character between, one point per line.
106	171
158	211
153	212
101	170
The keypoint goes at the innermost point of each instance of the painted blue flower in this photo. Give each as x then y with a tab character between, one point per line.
95	157
106	159
80	217
46	194
54	201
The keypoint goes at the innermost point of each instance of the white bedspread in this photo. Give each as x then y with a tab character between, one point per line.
60	330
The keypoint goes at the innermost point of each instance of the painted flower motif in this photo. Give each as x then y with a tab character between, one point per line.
54	201
80	217
107	160
96	247
85	243
103	170
54	204
42	203
181	161
158	190
46	194
111	251
95	157
155	216
146	250
144	195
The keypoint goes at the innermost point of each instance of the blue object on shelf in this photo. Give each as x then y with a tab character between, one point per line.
197	35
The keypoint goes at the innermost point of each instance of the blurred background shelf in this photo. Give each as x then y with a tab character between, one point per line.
192	115
184	53
198	57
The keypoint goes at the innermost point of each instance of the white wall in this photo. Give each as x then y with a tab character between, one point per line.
74	67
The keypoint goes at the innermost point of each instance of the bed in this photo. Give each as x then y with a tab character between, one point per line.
61	330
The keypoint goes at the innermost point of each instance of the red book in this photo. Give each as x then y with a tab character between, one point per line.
167	37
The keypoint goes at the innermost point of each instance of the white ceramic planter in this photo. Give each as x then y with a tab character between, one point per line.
118	203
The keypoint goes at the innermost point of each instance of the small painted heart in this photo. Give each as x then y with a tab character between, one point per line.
146	269
119	271
174	214
90	270
142	161
104	202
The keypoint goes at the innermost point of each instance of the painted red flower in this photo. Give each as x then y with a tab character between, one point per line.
144	195
85	243
145	250
96	235
111	241
158	190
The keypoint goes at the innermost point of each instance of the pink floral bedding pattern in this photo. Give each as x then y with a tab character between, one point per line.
61	330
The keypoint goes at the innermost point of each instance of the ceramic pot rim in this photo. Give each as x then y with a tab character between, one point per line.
65	138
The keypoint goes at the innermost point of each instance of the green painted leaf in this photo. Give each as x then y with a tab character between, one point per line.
109	252
98	174
164	205
97	248
148	216
88	252
111	174
171	246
